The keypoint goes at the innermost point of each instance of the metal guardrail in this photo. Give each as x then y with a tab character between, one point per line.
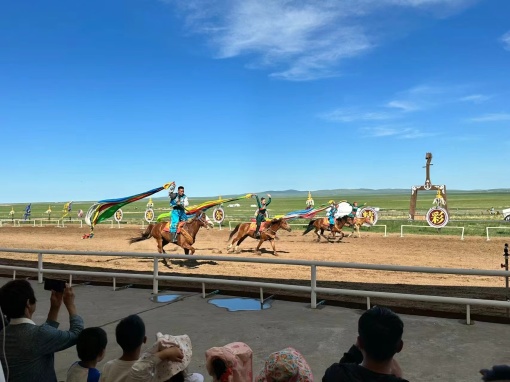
312	289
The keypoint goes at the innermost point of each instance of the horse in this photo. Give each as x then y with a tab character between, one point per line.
185	238
357	222
267	233
322	224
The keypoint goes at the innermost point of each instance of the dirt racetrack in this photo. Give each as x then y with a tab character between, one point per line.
418	250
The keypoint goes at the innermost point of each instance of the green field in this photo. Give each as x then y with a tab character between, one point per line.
468	209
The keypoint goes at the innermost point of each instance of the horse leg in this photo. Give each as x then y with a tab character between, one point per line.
273	244
230	247
236	248
318	236
257	250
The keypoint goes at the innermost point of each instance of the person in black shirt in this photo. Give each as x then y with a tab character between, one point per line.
371	358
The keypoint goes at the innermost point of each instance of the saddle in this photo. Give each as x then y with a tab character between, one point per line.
263	226
166	228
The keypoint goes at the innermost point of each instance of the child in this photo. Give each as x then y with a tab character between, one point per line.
230	363
284	366
168	371
91	348
130	335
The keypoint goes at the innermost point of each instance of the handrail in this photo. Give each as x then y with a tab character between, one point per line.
312	288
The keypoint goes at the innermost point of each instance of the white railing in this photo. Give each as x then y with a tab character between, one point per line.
427	226
488	228
61	222
312	288
14	222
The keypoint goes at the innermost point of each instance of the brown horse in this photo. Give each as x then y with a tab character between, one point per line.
185	238
322	224
357	222
267	232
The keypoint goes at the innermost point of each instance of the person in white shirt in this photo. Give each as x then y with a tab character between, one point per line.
130	335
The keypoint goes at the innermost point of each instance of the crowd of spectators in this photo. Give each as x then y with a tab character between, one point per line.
27	351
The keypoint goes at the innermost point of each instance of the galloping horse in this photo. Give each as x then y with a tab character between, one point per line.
185	238
267	232
322	224
358	222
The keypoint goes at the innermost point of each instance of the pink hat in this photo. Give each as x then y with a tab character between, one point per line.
238	360
287	365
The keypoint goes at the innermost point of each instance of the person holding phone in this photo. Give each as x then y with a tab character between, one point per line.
30	348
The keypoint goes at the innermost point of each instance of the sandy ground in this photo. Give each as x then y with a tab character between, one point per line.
419	250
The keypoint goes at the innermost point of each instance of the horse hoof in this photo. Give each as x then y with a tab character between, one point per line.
258	253
238	251
275	254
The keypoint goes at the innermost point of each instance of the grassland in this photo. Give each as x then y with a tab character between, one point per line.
468	209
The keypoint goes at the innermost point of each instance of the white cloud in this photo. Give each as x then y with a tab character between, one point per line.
476	98
402	105
295	39
505	39
349	115
395	132
494	117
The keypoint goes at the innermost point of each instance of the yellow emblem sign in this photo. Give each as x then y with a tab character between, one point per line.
369	212
118	215
149	215
437	217
218	215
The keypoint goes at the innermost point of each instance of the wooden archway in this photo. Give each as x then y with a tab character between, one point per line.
428	186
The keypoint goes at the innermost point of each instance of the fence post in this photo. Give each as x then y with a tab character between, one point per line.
203	290
114	284
155	288
313	301
40	268
262	296
14	274
71	280
368	303
468	314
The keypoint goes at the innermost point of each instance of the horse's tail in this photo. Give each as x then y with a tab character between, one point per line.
310	226
144	236
234	231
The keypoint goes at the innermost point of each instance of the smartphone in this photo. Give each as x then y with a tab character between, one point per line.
56	285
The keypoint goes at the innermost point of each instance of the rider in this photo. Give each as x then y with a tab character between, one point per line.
355	208
331	214
179	202
261	212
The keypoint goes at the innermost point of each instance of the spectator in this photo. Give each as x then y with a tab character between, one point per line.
29	348
371	359
230	363
285	366
91	346
150	365
497	373
130	335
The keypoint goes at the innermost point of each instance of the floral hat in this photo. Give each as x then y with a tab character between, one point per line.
165	370
287	365
238	360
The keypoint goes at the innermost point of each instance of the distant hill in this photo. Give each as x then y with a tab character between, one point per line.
346	191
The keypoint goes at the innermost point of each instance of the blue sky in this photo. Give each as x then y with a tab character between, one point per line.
103	99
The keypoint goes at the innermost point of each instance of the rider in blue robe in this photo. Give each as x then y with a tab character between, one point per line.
179	202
